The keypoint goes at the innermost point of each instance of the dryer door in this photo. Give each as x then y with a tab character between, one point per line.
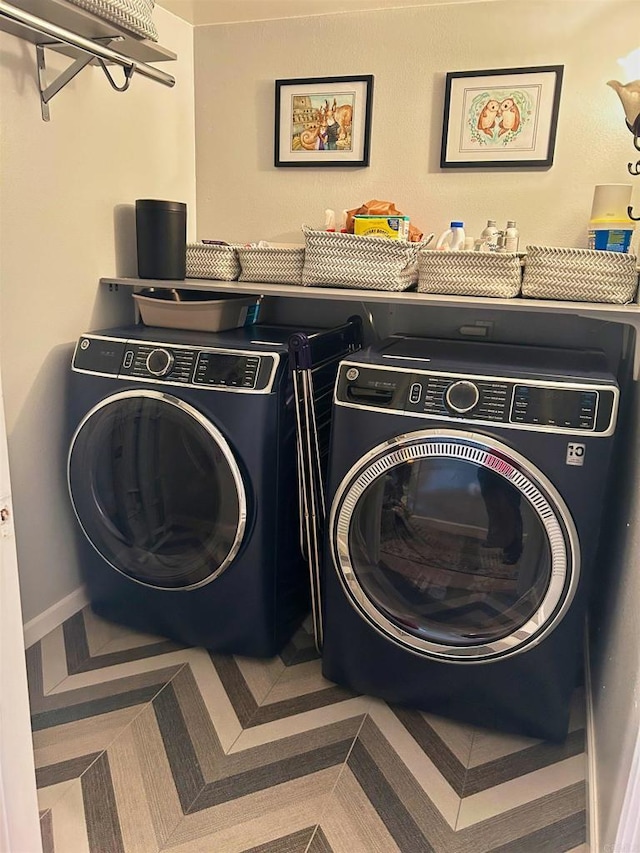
157	490
454	546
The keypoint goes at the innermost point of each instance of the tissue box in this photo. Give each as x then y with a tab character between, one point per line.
394	227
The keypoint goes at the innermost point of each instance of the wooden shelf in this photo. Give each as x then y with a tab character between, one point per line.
84	24
626	314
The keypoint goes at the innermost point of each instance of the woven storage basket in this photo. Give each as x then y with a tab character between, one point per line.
278	264
583	275
469	273
134	16
205	260
346	260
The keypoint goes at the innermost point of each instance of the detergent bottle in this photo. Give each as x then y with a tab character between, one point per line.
452	240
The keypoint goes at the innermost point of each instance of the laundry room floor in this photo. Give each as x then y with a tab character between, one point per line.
144	746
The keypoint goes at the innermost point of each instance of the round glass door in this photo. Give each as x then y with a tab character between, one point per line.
454	546
157	490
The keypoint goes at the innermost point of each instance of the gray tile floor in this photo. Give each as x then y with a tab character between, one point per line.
144	746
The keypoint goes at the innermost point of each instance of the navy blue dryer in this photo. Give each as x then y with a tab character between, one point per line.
466	484
182	475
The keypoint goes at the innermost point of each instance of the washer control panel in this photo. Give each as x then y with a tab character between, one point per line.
573	409
215	368
153	361
172	364
551	406
478	399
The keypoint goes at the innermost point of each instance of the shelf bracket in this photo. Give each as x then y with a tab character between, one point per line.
90	49
47	92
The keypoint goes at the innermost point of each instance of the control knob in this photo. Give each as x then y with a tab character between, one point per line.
159	362
462	396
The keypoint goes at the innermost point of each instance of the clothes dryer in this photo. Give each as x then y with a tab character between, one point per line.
182	476
466	485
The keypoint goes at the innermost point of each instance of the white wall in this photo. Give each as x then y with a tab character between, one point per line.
242	196
616	646
64	186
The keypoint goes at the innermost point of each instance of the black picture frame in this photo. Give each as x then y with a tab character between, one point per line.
506	117
323	121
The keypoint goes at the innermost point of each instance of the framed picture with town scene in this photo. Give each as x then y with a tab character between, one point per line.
506	117
323	121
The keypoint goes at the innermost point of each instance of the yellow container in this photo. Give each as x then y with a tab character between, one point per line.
394	227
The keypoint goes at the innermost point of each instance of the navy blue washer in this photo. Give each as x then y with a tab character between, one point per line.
466	485
182	475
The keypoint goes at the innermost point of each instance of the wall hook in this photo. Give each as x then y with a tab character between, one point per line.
634	170
128	74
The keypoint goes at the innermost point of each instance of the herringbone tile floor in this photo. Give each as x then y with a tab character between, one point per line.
144	746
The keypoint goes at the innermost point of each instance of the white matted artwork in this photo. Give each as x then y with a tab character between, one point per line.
504	117
323	121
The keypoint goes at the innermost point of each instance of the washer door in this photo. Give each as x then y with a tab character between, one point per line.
454	546
157	490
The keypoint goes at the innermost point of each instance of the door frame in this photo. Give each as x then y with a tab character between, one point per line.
19	816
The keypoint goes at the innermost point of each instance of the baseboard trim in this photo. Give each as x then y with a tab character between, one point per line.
38	627
593	838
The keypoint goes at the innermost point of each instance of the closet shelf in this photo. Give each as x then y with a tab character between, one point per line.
625	314
64	28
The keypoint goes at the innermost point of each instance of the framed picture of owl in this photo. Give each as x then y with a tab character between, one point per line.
506	117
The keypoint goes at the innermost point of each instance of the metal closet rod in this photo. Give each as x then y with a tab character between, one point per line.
91	47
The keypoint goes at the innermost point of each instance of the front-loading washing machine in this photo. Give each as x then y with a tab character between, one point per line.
182	475
466	484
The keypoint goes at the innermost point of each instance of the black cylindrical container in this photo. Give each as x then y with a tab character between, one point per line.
161	237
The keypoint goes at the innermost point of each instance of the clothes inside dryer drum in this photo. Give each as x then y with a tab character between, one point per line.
453	546
157	491
450	551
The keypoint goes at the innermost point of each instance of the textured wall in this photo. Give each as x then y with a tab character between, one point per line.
242	196
65	188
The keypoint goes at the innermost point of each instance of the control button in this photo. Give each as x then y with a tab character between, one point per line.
415	393
128	358
85	344
462	396
159	362
352	373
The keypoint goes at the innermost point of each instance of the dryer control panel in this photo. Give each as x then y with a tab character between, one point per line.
535	404
171	364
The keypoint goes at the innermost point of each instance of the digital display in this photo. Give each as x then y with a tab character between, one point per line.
226	369
533	404
219	367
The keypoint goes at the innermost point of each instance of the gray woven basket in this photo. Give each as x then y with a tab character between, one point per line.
277	264
205	260
469	273
582	275
346	260
134	16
